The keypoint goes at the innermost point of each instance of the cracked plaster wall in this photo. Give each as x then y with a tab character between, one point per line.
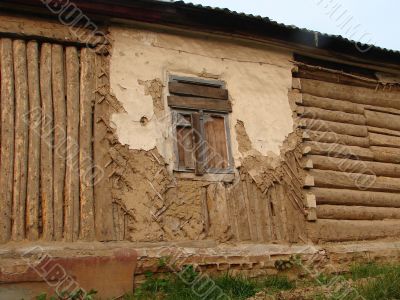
257	79
153	205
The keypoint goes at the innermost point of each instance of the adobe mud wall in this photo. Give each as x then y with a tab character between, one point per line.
155	203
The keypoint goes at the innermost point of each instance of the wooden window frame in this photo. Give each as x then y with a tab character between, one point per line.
230	168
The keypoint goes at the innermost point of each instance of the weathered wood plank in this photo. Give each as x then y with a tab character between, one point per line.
47	29
350	93
354	166
328	126
330	115
251	212
35	121
351	230
21	139
47	142
7	138
355	197
334	179
60	131
200	103
87	98
218	212
340	212
71	215
323	74
105	229
197	90
241	213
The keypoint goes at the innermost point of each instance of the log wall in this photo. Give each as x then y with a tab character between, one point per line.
351	150
47	104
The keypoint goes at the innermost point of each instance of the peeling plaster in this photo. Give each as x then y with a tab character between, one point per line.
257	80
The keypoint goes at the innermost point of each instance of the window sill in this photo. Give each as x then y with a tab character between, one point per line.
211	177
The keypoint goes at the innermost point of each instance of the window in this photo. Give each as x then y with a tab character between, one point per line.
200	119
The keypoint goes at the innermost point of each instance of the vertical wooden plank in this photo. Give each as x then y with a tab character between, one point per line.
7	138
204	208
230	201
250	211
105	228
85	141
243	221
32	202
218	211
21	139
264	215
59	105
255	208
46	165
71	217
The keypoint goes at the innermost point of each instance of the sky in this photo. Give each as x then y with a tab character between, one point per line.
368	21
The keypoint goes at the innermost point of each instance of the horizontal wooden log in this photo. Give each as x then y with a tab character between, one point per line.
330	115
48	30
328	126
384	140
351	230
334	76
197	90
331	104
383	131
355	94
338	150
355	197
340	212
365	181
382	109
353	166
386	154
331	137
382	120
200	103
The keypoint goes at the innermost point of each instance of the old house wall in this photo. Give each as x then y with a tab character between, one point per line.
257	201
110	103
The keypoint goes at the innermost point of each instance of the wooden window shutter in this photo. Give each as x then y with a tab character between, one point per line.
198	143
187	93
216	142
184	136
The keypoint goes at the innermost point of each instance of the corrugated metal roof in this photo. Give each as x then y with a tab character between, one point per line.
269	21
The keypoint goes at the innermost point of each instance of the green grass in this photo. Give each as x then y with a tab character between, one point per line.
385	283
195	286
369	281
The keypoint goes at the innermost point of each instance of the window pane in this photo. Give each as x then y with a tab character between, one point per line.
215	142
